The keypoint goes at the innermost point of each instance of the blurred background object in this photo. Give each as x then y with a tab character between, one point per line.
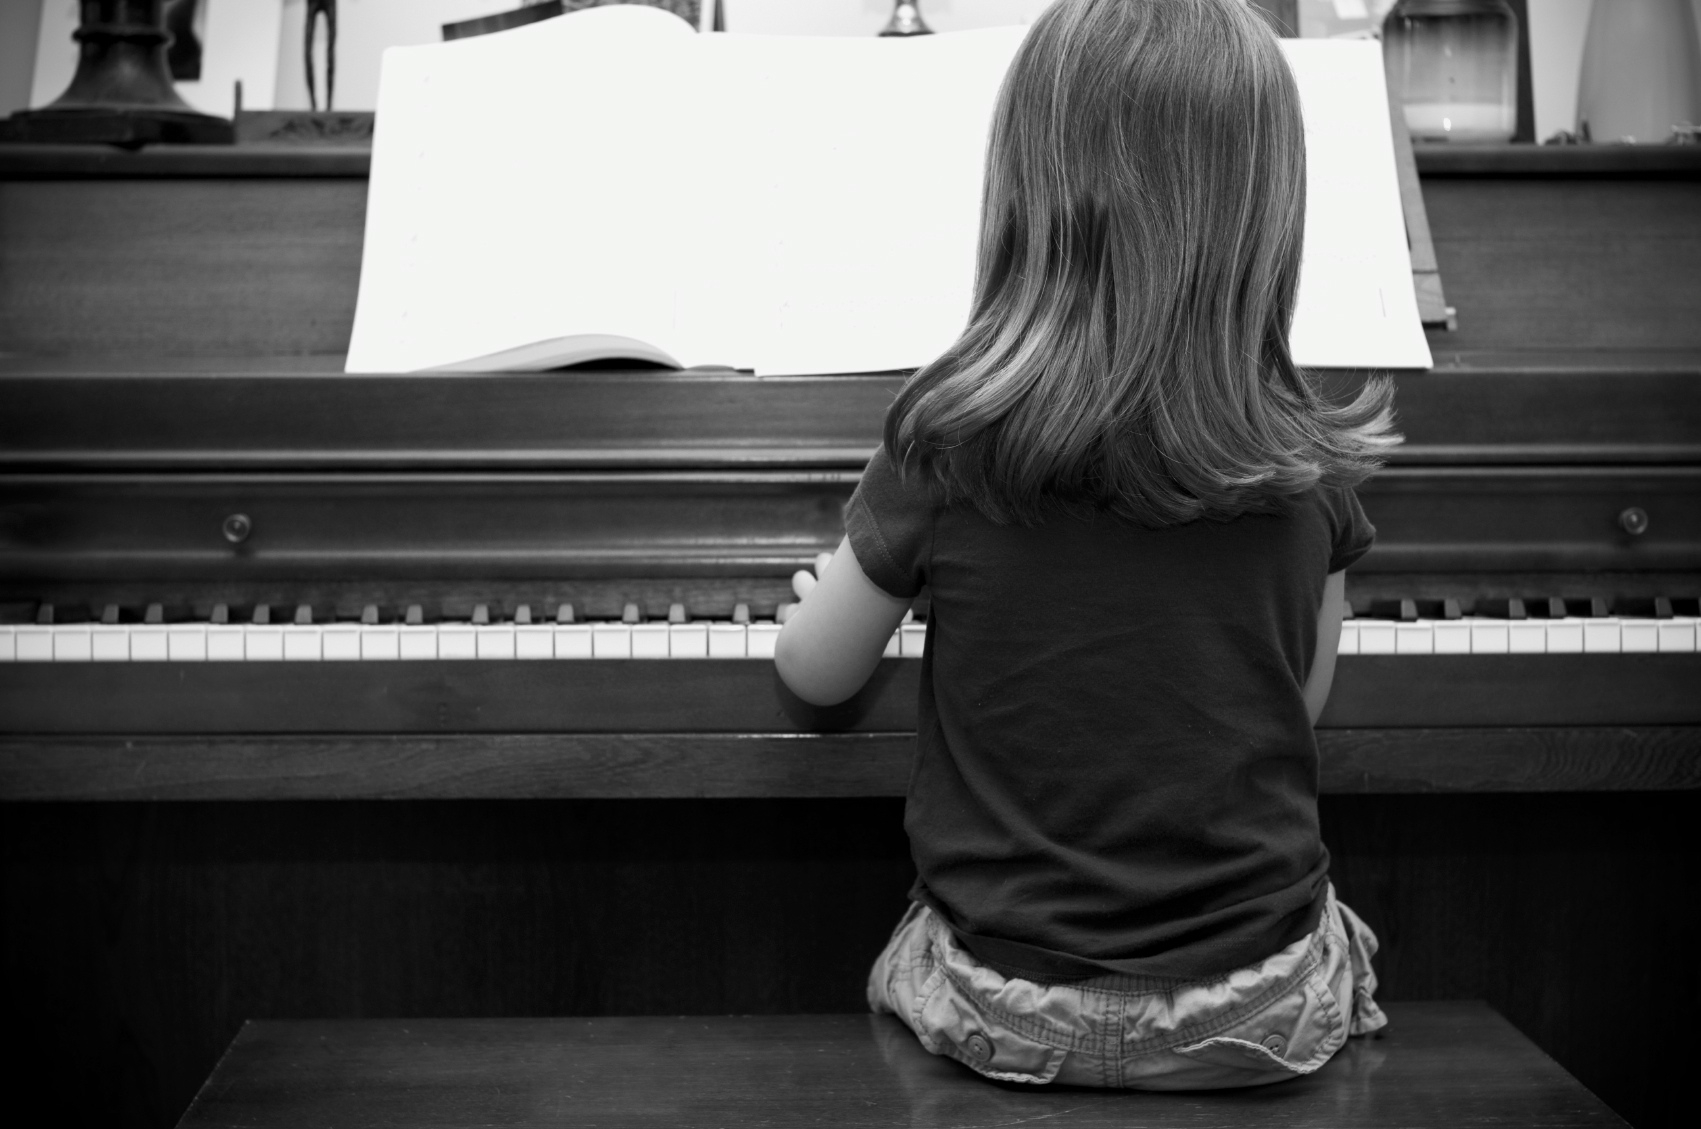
1641	72
260	41
1454	65
120	91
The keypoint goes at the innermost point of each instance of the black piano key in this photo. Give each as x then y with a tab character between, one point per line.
1502	609
415	616
1662	607
676	613
110	614
481	614
631	614
262	614
523	615
741	613
44	614
369	614
1598	607
304	614
1555	607
1450	610
220	614
564	613
155	613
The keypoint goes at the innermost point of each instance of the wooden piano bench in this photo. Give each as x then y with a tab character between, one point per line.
1437	1064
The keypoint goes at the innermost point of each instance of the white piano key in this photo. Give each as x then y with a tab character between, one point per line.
261	642
1565	636
1677	636
1526	636
611	641
573	641
109	643
726	641
34	643
301	643
457	641
186	642
688	640
1348	644
534	641
760	639
495	641
416	642
894	646
1490	637
340	642
1452	637
71	643
226	643
1414	638
649	640
1639	636
1376	637
1601	636
912	640
148	644
380	642
9	643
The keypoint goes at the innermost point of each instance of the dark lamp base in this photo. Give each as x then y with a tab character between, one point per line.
127	127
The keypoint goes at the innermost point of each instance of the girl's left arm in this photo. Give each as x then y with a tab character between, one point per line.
1322	675
835	637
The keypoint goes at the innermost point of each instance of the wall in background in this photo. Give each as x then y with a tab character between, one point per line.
18	27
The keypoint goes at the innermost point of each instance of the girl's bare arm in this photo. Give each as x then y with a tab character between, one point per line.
1322	674
836	636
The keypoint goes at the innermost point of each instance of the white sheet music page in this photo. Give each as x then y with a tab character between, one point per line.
784	204
1356	307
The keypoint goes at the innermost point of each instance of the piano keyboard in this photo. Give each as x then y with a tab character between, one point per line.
412	639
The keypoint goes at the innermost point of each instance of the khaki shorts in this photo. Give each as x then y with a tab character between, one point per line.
1268	1022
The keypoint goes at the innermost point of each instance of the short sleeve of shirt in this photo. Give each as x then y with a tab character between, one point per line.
889	521
1354	534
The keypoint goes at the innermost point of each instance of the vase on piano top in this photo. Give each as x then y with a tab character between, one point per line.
1640	80
1453	66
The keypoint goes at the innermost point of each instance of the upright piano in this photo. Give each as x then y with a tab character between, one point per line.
230	572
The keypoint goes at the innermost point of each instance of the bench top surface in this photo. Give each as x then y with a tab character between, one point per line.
1437	1064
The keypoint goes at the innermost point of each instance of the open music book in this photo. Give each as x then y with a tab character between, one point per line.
612	184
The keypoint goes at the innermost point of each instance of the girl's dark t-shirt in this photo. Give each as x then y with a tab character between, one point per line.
1115	770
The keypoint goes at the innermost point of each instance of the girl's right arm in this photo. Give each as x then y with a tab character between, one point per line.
1322	674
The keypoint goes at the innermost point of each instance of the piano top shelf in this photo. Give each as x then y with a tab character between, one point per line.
56	162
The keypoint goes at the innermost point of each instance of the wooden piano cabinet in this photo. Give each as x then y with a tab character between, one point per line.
460	840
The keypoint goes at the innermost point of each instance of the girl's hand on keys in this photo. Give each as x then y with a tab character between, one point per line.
803	581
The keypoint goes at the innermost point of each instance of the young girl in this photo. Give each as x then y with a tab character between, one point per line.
1132	514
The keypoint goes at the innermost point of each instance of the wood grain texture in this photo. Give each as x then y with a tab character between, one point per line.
1568	263
179	266
719	765
1440	1066
121	414
732	696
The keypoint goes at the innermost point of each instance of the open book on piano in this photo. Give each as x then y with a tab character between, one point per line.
611	184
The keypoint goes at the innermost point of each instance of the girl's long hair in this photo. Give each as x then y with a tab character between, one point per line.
1127	349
